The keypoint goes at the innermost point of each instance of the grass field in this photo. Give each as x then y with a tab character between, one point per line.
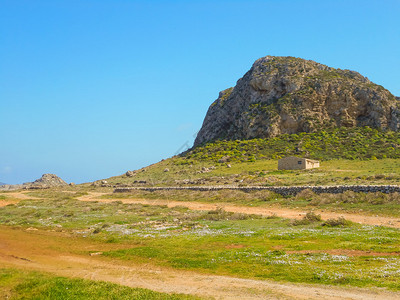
19	284
332	252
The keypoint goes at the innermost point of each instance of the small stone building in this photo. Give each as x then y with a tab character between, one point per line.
297	163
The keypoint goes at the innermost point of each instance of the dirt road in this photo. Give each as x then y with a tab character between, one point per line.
60	253
14	197
265	211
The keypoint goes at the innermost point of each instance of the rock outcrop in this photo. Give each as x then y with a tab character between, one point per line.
291	95
49	180
46	181
130	173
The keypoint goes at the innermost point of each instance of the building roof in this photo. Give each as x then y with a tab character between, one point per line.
308	159
312	160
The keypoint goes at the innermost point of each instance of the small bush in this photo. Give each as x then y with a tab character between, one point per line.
220	214
312	217
306	194
273	216
309	218
97	230
336	222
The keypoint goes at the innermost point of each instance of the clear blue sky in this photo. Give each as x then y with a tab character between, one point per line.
92	88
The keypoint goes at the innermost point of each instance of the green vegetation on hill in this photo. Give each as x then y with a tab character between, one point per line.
348	156
184	171
338	143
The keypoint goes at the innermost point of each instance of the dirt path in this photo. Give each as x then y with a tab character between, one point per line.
56	253
265	211
15	198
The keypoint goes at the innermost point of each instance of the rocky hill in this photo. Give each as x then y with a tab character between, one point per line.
49	180
46	181
291	95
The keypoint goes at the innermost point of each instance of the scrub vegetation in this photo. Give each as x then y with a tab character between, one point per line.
359	155
361	143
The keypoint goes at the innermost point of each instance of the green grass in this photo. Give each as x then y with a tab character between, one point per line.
17	284
57	193
104	220
218	242
273	249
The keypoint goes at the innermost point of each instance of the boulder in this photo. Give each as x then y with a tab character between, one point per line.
130	173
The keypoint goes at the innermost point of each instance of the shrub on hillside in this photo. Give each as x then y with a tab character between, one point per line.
309	218
306	194
336	222
335	143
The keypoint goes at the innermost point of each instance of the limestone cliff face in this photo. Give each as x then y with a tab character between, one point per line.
290	95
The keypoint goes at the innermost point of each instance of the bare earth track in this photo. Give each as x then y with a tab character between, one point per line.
281	212
265	211
16	197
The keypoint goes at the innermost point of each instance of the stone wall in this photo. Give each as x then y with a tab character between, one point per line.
283	190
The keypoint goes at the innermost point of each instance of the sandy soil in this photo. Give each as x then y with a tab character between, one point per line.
265	211
15	198
61	254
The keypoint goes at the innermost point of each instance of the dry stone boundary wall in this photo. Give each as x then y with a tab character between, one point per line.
283	190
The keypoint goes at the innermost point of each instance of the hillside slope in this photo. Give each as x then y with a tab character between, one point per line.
359	155
333	143
281	95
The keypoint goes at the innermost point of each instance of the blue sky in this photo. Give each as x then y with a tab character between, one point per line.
91	89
